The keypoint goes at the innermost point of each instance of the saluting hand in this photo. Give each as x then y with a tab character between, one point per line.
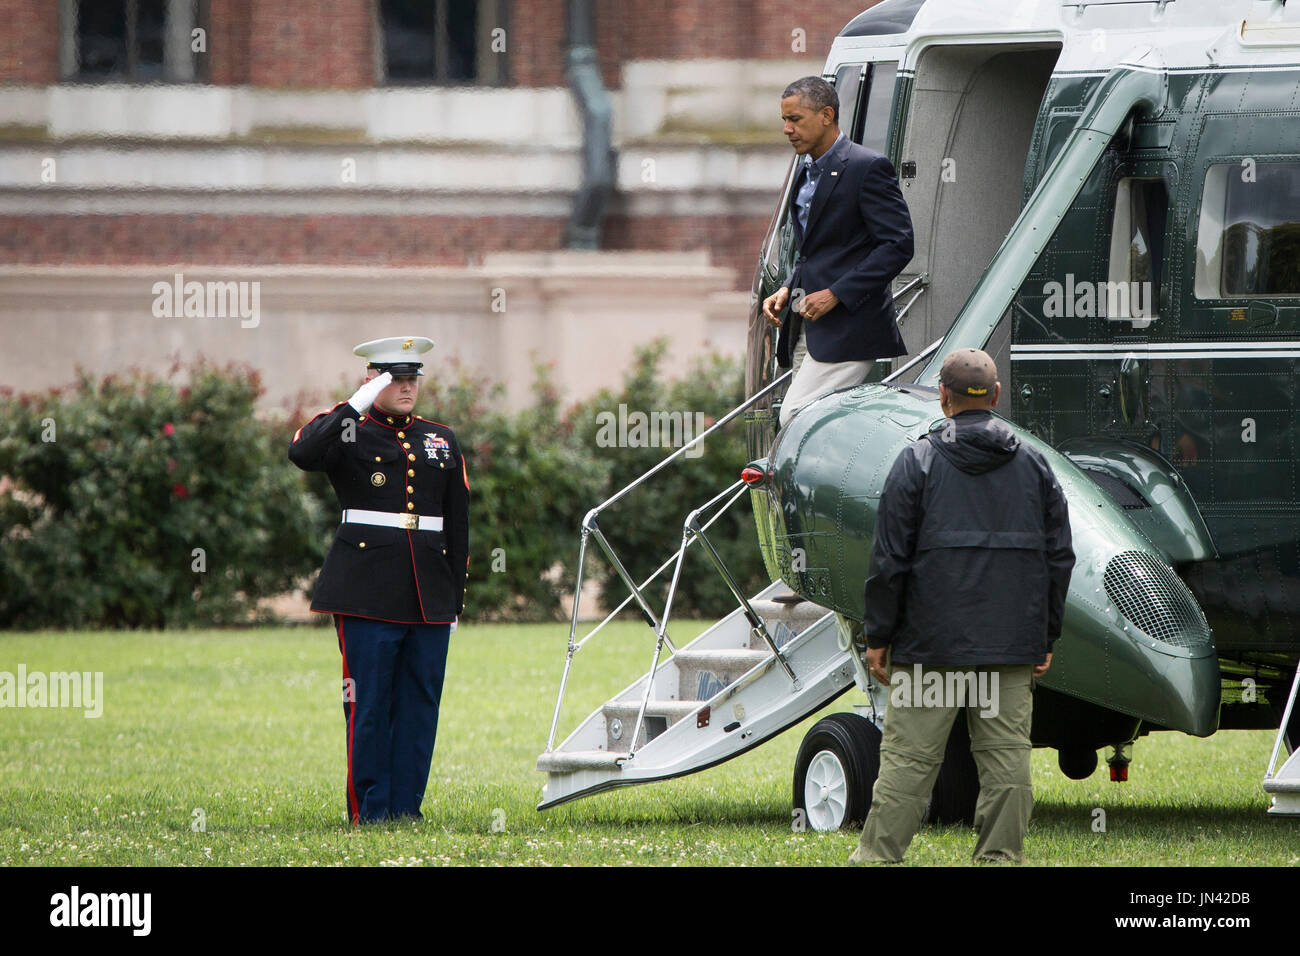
365	396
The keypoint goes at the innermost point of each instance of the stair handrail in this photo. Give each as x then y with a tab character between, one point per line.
1282	727
644	584
690	531
590	529
757	625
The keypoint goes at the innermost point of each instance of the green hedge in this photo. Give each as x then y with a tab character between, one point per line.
134	501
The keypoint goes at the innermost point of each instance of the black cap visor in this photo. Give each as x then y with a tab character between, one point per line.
400	369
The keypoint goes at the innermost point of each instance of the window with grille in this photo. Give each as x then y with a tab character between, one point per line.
131	41
442	42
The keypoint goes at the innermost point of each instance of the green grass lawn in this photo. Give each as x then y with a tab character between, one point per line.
247	727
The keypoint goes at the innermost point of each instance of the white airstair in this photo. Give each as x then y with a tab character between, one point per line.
756	672
720	695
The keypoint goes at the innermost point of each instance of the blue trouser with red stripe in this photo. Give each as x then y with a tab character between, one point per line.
392	685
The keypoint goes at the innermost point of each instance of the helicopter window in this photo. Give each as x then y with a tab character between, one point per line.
1248	241
866	97
849	81
872	127
1137	247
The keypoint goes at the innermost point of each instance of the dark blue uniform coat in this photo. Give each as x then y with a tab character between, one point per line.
393	461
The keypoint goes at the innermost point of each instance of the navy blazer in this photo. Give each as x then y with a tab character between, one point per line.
859	237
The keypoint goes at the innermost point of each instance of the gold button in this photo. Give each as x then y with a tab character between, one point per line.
377	458
361	545
406	444
362	418
390	421
410	472
401	434
410	506
444	550
409	490
411	457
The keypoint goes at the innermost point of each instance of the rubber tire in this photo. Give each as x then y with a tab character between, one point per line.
855	741
958	785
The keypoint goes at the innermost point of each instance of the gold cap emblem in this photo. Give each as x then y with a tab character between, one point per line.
409	343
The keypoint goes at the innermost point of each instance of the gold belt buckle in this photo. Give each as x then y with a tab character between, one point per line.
411	522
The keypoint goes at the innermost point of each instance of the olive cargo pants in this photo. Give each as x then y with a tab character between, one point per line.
911	753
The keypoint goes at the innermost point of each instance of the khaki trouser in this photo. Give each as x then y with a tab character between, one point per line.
912	751
813	379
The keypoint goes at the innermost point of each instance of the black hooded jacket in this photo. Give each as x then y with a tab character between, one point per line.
971	558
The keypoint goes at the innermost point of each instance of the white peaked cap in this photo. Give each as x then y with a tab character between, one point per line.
396	352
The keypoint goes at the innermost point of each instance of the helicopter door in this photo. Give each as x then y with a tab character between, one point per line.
966	137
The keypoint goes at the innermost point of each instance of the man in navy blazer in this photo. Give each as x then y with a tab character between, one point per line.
853	235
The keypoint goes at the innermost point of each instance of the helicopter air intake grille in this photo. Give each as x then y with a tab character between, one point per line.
1155	600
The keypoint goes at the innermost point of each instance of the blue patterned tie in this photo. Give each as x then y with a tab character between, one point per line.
803	201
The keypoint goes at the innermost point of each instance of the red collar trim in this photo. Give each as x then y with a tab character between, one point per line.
380	417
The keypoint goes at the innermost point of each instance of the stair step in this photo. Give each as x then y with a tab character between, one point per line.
724	660
675	710
785	621
803	613
702	674
559	761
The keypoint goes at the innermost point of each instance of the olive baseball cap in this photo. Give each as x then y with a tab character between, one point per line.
969	372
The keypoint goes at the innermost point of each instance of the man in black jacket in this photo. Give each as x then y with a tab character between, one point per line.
394	577
853	234
966	589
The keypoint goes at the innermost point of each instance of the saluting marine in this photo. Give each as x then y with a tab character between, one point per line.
394	577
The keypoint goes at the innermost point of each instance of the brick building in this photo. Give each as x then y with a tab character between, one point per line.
384	165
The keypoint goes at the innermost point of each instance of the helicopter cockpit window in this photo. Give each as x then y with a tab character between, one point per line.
779	240
1137	246
1248	241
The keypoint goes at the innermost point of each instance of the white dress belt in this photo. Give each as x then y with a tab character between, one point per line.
389	519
